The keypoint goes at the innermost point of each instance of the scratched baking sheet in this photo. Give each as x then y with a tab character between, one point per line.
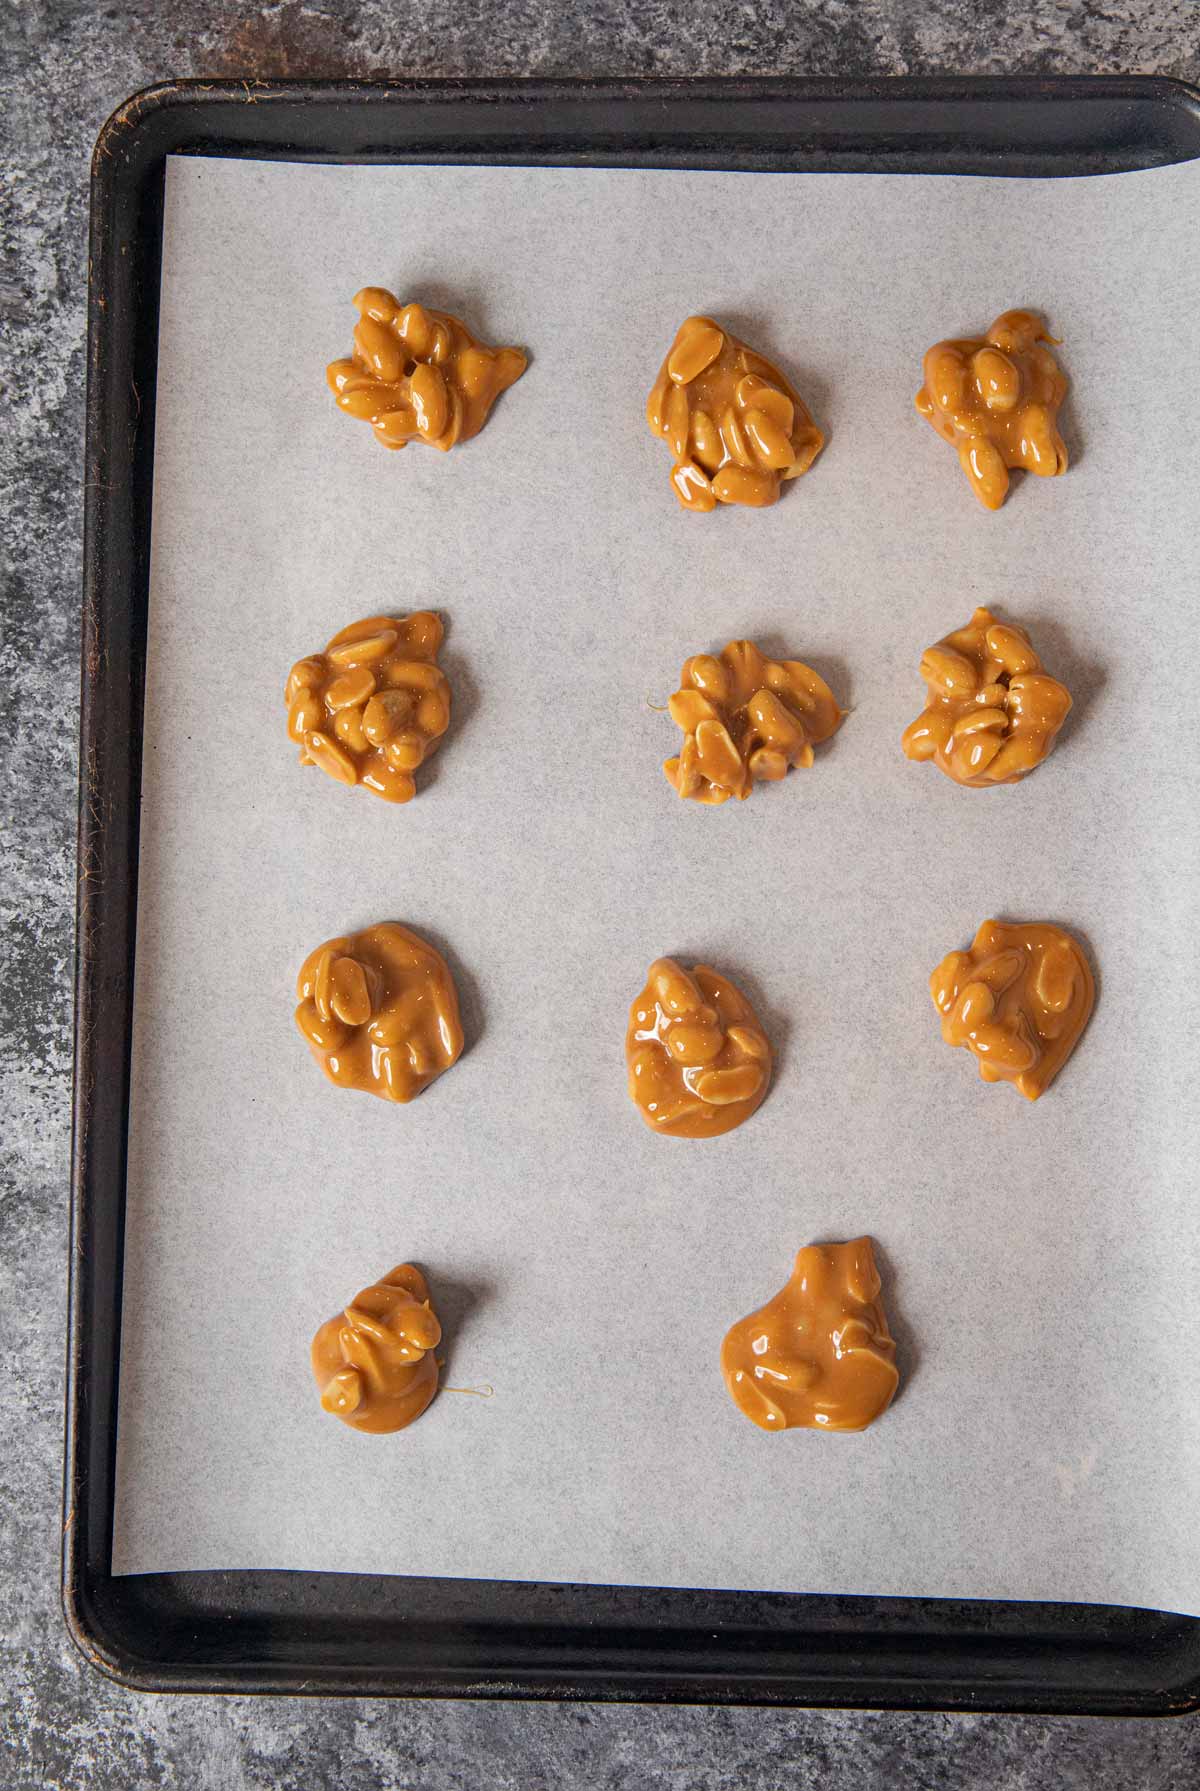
1040	1263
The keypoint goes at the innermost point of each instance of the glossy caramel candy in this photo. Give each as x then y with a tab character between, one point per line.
380	1011
374	1363
991	713
1018	1000
819	1355
419	375
371	708
995	398
734	424
745	719
699	1062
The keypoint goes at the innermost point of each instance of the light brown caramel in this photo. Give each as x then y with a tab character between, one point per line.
373	705
745	718
1018	999
374	1363
996	399
819	1355
991	713
419	375
380	1011
699	1062
735	426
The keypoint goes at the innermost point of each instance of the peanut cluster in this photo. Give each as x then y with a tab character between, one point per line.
1018	1000
374	1363
819	1355
698	1060
380	1011
996	399
374	704
419	375
735	426
745	719
992	713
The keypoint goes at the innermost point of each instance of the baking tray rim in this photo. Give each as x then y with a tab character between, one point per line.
127	161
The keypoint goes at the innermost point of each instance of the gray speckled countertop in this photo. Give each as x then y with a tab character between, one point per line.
64	65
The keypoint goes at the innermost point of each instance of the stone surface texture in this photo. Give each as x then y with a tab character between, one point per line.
65	65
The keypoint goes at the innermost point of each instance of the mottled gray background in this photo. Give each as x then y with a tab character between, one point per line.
65	65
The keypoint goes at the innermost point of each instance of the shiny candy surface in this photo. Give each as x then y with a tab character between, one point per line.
745	719
419	375
1018	1000
991	713
818	1356
995	398
735	426
373	1363
372	707
698	1060
380	1011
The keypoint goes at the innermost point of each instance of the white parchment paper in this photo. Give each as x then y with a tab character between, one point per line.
1041	1262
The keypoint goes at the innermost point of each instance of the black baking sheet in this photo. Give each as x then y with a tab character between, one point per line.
273	1631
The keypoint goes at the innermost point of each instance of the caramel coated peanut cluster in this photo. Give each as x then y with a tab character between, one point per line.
992	713
419	375
995	398
374	704
1018	1000
380	1011
374	1363
819	1355
745	718
699	1062
735	426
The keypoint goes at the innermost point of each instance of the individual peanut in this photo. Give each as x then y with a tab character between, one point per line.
350	690
350	998
698	1061
720	1088
735	427
697	346
1018	1000
991	713
745	719
372	707
996	400
419	375
430	400
379	1011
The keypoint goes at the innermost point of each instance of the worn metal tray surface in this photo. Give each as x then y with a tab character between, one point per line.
298	1632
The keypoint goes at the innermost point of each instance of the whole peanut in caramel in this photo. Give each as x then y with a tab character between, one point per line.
373	706
1018	1000
380	1011
419	375
374	1363
735	425
995	398
698	1060
745	719
991	713
819	1355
